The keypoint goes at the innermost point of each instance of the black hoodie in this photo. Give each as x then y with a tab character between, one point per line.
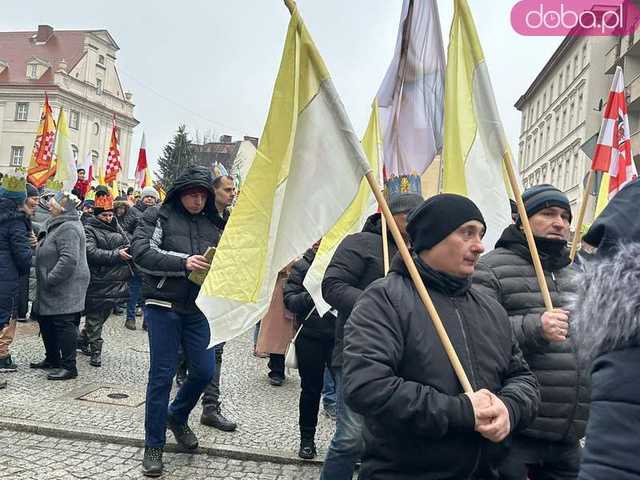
167	235
356	263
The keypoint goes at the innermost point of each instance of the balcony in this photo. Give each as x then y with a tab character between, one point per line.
634	42
635	143
612	59
633	95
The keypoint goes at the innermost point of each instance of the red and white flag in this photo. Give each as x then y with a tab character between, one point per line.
113	159
141	166
613	150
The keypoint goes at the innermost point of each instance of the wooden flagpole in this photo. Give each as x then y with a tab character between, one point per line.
583	208
537	265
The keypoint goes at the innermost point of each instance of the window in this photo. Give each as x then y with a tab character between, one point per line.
576	67
563	131
535	143
74	149
74	119
548	135
567	172
527	158
523	122
584	55
568	74
580	102
101	59
541	143
560	84
544	101
574	172
551	93
98	86
537	108
571	116
22	112
558	182
96	128
17	155
33	71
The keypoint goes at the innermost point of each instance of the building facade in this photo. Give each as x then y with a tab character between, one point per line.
561	111
77	70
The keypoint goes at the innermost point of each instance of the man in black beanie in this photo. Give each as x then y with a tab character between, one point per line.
419	423
549	447
357	262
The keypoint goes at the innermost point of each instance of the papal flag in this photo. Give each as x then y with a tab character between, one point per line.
307	171
475	144
66	169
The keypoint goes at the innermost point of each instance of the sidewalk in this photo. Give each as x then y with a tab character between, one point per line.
107	403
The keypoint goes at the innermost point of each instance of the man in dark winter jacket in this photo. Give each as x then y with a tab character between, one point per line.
149	198
314	346
610	347
549	447
357	262
168	244
28	208
109	262
15	259
224	193
419	423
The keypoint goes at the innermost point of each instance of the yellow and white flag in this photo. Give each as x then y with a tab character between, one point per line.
475	144
306	173
66	169
354	217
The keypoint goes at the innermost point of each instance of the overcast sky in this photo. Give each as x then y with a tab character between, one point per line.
212	64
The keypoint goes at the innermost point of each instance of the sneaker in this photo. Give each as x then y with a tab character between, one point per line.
215	418
130	324
152	462
307	449
7	365
182	433
276	381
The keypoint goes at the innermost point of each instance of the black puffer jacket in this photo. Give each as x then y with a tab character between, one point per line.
418	422
109	273
356	263
168	235
133	217
15	254
299	301
508	275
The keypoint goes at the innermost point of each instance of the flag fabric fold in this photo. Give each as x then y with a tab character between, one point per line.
475	144
306	172
142	175
351	221
41	165
411	97
113	167
613	155
66	170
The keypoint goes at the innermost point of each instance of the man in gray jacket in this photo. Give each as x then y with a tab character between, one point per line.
549	447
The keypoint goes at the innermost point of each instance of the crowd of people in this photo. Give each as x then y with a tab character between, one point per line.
542	380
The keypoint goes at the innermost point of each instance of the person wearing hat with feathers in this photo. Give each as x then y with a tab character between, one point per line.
109	261
549	447
418	421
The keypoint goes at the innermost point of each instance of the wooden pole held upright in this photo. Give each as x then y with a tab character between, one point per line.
542	282
583	208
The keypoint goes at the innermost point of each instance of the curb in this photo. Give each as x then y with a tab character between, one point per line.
216	450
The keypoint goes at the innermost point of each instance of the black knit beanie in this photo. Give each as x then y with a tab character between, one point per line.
439	216
544	196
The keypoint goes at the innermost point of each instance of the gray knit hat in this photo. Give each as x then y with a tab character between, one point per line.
150	192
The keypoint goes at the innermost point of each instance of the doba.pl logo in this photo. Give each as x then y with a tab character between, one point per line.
574	17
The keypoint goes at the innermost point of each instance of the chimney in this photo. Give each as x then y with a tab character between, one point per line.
253	140
44	34
226	139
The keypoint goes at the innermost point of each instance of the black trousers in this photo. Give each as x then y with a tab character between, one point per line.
276	365
22	301
211	395
60	338
541	460
314	355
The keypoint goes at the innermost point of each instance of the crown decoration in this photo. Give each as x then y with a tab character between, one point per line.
14	183
105	202
55	185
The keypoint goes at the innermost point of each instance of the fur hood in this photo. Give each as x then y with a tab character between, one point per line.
606	309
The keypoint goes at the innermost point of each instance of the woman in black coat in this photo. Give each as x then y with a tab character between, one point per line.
108	258
314	347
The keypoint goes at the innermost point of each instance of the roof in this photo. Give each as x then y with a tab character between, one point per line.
17	49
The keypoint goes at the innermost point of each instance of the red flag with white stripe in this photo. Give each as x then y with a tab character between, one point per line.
613	150
113	159
141	166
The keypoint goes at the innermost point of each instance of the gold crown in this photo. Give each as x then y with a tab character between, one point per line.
55	185
14	183
105	202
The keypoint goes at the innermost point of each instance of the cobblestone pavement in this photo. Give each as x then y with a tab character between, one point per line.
267	416
30	456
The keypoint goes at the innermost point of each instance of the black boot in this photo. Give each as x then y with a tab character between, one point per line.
62	374
96	359
182	433
152	462
307	449
214	418
130	324
83	344
44	365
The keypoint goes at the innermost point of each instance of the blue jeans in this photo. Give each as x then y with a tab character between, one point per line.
168	330
346	445
135	286
328	389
